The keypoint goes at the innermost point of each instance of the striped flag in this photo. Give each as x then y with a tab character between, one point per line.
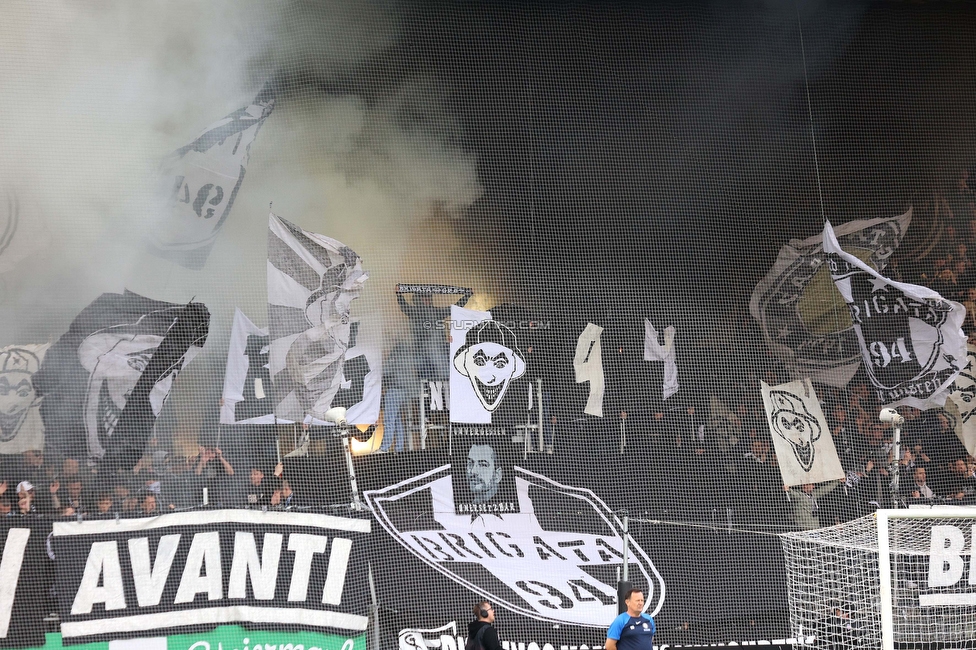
312	281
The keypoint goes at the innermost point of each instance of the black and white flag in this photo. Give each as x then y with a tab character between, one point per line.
312	281
961	404
657	350
803	321
195	570
21	427
105	380
486	361
911	338
804	446
246	398
201	181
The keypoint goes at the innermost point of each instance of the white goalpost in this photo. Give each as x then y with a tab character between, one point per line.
897	578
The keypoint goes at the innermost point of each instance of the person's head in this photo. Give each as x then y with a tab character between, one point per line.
634	600
149	503
426	300
34	457
959	467
70	467
483	473
25	501
285	489
483	611
25	487
920	476
75	487
808	488
257	475
104	503
6	504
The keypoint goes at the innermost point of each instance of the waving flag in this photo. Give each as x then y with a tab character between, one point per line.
105	380
803	320
911	338
201	182
312	281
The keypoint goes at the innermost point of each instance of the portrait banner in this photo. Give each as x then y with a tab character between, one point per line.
487	368
195	570
911	338
21	427
804	446
482	471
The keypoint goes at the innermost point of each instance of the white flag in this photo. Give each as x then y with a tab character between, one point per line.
485	360
21	428
803	321
961	404
588	364
656	351
911	338
247	383
801	437
312	281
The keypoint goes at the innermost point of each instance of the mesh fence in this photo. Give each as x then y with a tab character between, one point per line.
525	270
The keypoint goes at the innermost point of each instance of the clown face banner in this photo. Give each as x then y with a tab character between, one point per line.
21	427
801	436
486	365
201	181
312	281
911	338
119	348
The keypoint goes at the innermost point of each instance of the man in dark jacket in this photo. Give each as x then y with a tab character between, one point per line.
482	630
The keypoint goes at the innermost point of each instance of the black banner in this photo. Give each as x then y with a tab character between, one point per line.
196	570
550	566
25	580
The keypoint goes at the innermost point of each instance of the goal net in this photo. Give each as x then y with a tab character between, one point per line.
898	578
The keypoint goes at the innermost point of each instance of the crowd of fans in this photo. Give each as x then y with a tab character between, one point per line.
708	453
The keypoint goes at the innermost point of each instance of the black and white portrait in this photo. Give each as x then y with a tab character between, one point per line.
20	425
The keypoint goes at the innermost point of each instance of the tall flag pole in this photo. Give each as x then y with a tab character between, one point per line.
911	338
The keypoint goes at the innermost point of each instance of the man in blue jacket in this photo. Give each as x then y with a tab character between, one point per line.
632	630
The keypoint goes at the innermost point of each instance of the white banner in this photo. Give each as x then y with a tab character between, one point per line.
247	382
911	338
801	437
656	351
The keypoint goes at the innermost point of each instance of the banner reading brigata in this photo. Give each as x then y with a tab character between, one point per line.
195	570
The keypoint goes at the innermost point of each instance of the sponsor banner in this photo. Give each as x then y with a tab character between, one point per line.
195	570
911	338
225	637
804	447
803	321
21	427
